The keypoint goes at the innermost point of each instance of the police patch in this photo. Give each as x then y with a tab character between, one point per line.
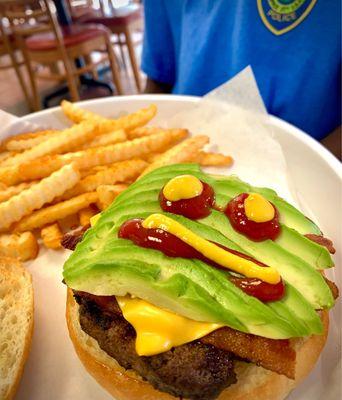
281	16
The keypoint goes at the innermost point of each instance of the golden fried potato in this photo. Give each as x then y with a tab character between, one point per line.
85	214
108	193
66	140
179	153
24	143
58	211
52	236
104	125
77	114
31	170
90	158
11	191
107	138
151	130
5	155
23	246
212	159
118	172
37	195
123	151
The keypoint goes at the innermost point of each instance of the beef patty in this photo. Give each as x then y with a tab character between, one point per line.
194	370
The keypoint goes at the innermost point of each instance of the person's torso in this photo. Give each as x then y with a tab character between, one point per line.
293	47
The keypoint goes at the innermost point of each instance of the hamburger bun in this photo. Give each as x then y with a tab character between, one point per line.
16	324
253	382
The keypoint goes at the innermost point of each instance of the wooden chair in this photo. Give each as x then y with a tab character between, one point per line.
9	48
122	22
44	43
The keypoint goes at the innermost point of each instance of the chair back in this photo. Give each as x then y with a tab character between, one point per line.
25	17
28	17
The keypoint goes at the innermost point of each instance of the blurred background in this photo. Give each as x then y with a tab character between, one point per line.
82	49
123	20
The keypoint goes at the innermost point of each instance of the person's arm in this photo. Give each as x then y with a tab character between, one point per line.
158	57
333	143
157	87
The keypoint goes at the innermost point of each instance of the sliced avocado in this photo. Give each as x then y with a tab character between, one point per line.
188	287
311	252
289	239
104	264
293	269
289	215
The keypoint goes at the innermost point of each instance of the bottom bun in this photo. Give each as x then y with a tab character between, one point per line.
253	382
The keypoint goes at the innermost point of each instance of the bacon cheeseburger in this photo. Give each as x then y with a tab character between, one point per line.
199	287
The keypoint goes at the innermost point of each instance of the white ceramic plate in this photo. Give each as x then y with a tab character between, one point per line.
53	372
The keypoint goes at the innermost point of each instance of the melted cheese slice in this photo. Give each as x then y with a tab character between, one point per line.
94	219
182	187
159	330
258	209
212	251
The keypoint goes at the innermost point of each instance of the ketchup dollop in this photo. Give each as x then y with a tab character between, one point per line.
172	246
257	231
195	208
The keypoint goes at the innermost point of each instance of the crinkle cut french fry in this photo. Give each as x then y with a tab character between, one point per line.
104	125
29	135
23	246
5	155
24	136
37	195
106	139
150	158
151	130
212	159
56	212
51	236
118	172
66	140
108	193
27	143
144	131
31	170
85	214
77	114
179	153
90	158
124	151
11	191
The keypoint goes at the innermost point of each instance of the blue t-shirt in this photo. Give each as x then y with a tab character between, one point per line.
293	47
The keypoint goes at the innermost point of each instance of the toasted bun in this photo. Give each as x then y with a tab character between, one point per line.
253	382
16	324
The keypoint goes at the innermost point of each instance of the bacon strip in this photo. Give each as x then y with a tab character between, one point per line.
321	240
272	354
70	239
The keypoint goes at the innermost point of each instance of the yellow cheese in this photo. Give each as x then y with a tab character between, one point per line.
159	330
182	187
212	251
258	209
94	219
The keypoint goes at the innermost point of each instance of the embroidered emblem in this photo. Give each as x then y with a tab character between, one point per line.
281	16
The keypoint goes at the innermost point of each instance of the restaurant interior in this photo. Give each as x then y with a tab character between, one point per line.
99	56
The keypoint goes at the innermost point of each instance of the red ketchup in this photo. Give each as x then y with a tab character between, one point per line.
172	246
194	208
257	231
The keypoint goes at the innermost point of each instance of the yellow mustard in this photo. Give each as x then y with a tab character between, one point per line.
212	251
182	187
159	330
258	209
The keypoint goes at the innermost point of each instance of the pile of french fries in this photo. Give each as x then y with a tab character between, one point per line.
55	180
